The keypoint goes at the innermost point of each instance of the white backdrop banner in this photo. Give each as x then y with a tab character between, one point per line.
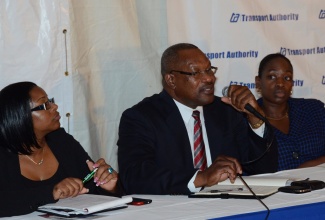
109	57
236	35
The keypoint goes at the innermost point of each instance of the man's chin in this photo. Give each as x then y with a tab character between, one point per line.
207	100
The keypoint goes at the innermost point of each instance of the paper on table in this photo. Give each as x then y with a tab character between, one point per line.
259	181
84	204
262	186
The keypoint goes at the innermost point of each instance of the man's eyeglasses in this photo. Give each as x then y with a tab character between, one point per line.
45	106
210	71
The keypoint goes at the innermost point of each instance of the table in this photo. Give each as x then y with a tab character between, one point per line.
282	205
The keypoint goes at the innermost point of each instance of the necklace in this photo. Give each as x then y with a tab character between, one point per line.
277	119
41	161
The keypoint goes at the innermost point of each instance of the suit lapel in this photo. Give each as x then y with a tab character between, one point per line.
178	133
212	120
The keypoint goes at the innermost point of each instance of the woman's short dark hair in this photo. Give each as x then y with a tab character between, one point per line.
16	123
268	58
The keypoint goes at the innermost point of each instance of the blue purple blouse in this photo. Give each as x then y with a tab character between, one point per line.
306	138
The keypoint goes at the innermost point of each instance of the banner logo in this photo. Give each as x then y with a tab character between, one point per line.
250	85
322	14
283	51
302	52
234	17
298	82
232	54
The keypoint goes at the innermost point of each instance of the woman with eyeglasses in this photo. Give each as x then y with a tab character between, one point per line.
40	163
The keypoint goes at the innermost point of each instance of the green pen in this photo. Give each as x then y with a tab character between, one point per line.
90	175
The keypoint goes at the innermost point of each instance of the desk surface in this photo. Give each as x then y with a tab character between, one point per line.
282	205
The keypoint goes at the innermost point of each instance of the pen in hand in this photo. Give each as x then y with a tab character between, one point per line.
90	175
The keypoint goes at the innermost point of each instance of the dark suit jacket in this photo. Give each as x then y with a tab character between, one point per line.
154	152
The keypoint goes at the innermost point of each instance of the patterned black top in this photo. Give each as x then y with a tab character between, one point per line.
306	138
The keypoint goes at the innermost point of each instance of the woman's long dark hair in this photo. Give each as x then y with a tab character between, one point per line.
16	124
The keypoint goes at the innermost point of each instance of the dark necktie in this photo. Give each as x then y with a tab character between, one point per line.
199	148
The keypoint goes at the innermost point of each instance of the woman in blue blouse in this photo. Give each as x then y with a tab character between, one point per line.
299	123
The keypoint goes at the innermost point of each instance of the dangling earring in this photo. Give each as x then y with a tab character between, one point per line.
291	92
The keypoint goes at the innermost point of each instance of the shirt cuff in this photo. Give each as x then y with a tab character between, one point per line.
191	185
259	131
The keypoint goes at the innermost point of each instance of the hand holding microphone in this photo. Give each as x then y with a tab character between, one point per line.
241	98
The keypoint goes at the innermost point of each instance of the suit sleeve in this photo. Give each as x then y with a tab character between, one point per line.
263	152
230	134
144	167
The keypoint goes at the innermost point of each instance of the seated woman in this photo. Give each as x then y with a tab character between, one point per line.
299	123
40	163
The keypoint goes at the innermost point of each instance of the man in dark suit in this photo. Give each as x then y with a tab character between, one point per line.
156	143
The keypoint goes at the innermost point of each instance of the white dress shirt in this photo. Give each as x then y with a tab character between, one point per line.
186	113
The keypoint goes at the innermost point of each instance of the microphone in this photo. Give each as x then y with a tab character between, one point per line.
248	106
252	110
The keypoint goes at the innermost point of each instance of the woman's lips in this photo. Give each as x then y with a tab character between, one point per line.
280	93
57	117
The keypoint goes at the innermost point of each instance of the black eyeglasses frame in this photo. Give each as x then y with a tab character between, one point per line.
43	106
210	71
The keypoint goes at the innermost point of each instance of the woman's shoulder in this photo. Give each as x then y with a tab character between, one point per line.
305	103
61	142
311	108
5	155
58	135
61	138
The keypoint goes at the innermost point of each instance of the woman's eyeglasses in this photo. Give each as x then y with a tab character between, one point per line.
45	106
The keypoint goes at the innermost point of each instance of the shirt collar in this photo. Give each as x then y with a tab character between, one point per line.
186	111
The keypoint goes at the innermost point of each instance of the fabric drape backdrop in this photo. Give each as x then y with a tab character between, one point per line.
108	59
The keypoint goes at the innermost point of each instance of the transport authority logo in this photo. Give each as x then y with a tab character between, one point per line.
283	51
322	14
234	17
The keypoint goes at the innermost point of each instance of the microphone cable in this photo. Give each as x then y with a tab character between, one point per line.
268	146
252	110
256	197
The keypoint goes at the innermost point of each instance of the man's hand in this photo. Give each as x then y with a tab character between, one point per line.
238	97
222	168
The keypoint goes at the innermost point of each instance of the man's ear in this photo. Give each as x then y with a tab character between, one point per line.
257	83
170	80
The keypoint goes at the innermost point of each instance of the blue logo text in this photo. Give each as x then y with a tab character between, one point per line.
322	14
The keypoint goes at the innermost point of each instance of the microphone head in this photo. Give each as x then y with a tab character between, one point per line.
225	91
